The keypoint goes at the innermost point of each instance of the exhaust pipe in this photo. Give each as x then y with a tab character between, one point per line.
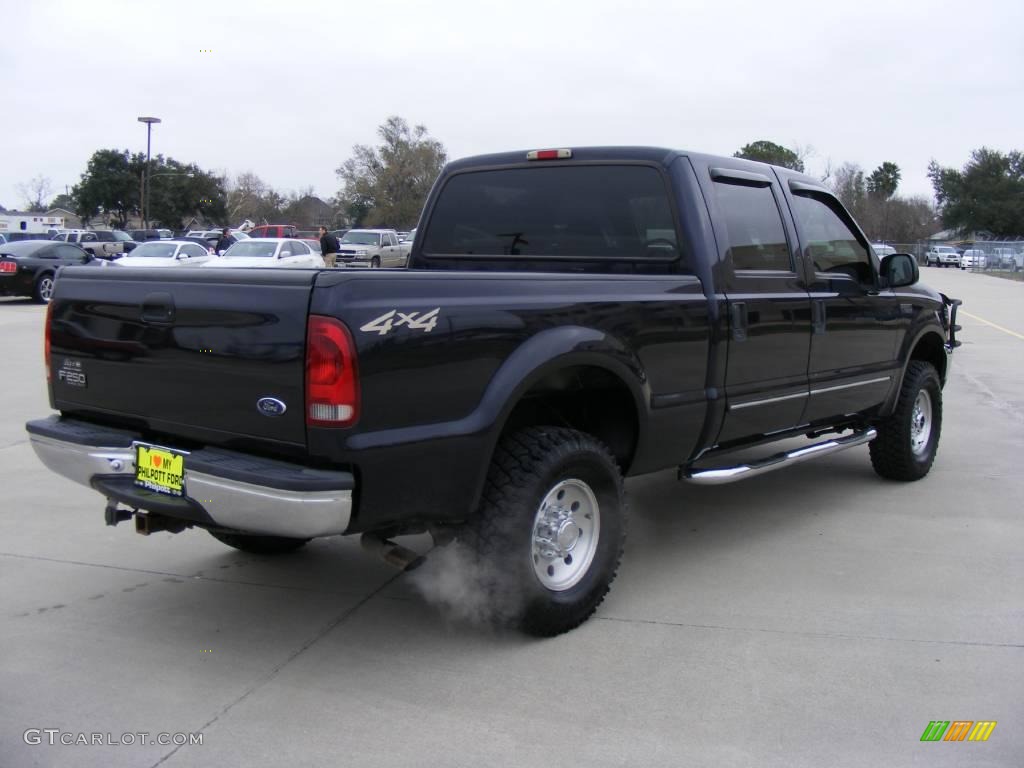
391	552
148	523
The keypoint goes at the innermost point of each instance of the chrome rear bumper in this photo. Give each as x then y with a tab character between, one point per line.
234	491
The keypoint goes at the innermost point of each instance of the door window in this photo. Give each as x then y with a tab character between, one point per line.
756	239
828	241
70	253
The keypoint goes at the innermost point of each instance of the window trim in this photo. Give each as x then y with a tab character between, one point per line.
661	170
740	179
833	203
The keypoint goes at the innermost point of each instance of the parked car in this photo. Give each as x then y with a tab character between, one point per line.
268	252
212	236
274	230
1002	258
881	249
339	233
313	244
165	234
973	258
942	256
371	248
102	243
574	317
29	268
142	235
166	253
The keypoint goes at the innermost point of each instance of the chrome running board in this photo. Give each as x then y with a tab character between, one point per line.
723	475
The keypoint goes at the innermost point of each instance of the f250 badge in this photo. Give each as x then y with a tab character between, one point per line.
71	373
414	321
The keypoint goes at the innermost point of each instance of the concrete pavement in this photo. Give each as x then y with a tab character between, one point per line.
814	616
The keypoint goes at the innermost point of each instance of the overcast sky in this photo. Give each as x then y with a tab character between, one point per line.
288	88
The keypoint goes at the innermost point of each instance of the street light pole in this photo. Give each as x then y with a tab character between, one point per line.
145	175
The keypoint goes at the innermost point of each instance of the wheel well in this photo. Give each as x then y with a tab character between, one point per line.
931	349
585	398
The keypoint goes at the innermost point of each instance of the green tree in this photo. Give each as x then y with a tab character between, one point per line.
388	184
772	153
884	180
67	202
179	192
987	194
110	187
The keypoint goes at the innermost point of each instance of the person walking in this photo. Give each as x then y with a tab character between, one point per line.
329	247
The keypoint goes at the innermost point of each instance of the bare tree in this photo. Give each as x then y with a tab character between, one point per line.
36	192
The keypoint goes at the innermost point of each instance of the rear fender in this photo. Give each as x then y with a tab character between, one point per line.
543	354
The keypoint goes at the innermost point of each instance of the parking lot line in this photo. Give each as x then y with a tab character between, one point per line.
989	322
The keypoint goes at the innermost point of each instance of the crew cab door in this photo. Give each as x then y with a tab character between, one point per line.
768	304
855	325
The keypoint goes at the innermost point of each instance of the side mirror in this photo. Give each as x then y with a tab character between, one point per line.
899	269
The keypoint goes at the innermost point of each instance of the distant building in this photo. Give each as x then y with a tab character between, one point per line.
71	220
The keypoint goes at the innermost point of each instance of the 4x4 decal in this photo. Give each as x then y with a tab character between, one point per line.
394	319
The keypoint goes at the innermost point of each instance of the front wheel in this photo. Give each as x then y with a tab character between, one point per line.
550	529
258	545
909	438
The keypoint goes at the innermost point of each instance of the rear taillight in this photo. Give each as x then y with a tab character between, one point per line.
46	340
8	267
332	376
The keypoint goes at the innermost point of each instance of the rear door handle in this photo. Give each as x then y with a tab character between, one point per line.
818	317
738	320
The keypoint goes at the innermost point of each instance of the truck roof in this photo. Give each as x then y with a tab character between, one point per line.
658	155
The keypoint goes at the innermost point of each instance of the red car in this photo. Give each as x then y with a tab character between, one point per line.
273	230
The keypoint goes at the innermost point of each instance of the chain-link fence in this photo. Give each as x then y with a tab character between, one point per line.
974	255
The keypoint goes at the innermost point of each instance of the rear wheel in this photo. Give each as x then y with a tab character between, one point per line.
551	528
375	262
259	545
909	439
43	289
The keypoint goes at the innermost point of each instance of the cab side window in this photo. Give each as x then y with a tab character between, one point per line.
828	241
756	239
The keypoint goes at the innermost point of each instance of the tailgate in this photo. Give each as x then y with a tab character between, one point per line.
198	354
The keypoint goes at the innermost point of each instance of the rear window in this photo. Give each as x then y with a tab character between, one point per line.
609	212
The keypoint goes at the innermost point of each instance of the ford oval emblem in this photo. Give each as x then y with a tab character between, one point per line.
270	406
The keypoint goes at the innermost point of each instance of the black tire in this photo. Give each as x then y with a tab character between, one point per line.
42	291
259	545
375	262
901	451
526	473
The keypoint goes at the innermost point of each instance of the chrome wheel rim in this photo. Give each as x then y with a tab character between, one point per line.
921	423
566	531
46	288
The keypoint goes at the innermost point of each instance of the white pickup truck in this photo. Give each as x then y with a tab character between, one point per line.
942	256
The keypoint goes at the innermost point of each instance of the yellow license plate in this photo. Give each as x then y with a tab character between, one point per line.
160	469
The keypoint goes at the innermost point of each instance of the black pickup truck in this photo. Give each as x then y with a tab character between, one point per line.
569	317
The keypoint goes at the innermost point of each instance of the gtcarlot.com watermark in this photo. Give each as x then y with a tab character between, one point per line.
54	736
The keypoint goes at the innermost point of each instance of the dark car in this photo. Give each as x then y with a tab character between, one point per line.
17	237
30	268
209	244
142	235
